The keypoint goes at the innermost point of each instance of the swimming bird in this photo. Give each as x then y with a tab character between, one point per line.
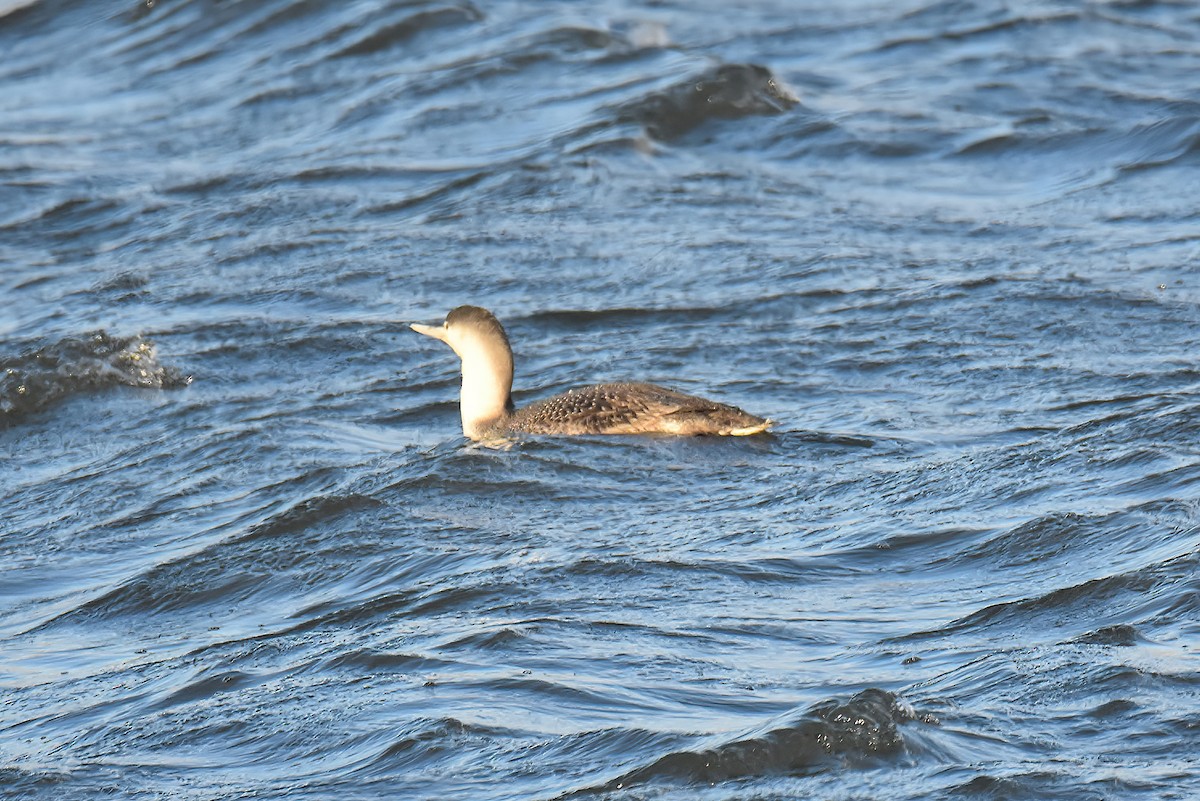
487	411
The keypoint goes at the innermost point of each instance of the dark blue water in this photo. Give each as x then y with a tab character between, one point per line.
950	247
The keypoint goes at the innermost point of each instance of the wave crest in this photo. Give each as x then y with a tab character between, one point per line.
75	365
855	733
730	91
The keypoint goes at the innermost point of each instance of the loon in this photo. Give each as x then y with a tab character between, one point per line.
487	411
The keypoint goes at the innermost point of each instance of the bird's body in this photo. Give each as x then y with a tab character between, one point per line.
485	402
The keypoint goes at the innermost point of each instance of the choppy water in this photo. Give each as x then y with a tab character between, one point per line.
950	246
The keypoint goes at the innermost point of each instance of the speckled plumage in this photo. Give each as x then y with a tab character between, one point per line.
487	411
630	408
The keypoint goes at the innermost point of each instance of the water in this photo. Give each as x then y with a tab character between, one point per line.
950	247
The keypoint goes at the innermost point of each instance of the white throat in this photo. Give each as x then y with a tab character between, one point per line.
484	399
487	367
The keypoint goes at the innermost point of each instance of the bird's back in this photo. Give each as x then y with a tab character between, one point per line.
632	408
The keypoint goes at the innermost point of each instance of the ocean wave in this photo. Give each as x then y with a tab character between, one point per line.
947	245
1140	146
39	379
1106	597
727	92
390	34
865	731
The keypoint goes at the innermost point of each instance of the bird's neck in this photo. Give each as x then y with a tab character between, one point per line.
486	397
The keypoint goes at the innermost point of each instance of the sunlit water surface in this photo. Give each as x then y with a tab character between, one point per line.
949	247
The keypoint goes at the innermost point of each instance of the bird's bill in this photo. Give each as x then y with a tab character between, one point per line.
435	331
